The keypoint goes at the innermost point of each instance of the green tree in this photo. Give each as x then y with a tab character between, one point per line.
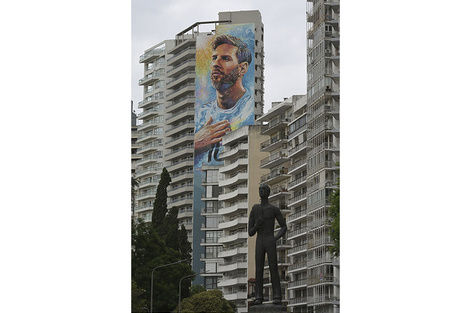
196	289
134	185
138	303
184	244
210	301
333	213
148	252
160	209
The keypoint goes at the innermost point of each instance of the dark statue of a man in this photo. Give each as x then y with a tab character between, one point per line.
261	221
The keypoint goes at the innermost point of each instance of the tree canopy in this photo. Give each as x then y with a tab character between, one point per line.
211	301
155	244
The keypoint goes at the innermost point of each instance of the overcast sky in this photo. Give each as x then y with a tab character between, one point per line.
284	35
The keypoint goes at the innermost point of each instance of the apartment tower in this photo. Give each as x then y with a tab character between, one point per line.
168	135
323	142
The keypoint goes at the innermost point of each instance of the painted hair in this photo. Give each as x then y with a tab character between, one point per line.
243	52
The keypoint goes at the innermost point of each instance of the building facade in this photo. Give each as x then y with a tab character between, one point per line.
323	143
167	131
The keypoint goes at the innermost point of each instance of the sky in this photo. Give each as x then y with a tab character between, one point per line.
284	35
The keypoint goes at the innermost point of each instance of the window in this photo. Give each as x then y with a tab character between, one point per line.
210	282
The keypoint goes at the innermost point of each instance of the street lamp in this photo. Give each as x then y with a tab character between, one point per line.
179	300
151	283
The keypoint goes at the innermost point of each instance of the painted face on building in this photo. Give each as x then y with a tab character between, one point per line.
225	69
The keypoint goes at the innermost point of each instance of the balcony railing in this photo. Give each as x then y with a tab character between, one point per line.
273	157
297	148
152	53
180	65
271	141
298	300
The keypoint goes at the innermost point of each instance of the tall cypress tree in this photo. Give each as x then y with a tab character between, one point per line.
184	244
160	209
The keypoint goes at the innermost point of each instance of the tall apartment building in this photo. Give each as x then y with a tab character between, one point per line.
168	132
278	163
323	138
152	128
239	182
135	157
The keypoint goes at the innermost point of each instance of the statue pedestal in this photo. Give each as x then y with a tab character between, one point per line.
271	308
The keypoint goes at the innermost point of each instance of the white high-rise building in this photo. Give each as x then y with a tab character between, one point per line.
167	134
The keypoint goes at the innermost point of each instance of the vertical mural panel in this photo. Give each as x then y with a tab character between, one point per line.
225	85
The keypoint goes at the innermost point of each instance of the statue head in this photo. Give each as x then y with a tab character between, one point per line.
264	191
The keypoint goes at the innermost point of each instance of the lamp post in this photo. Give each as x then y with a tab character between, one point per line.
179	300
151	282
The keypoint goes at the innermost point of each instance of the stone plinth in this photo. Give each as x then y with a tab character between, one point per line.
267	308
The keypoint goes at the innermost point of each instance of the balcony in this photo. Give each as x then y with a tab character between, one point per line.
179	153
187	65
180	189
300	283
182	55
297	301
151	78
149	147
182	176
183	102
273	143
147	171
279	123
188	162
279	194
148	160
318	261
149	113
242	162
300	266
184	200
274	160
151	100
184	138
239	236
232	266
275	177
185	213
151	54
235	179
232	151
143	208
319	242
239	295
232	251
233	194
294	151
183	78
233	223
298	199
232	281
297	232
148	125
298	249
323	300
297	216
174	129
180	114
241	205
145	195
187	88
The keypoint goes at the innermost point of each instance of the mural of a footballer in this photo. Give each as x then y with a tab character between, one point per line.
233	104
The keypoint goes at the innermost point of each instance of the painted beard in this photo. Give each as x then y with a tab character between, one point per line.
225	81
